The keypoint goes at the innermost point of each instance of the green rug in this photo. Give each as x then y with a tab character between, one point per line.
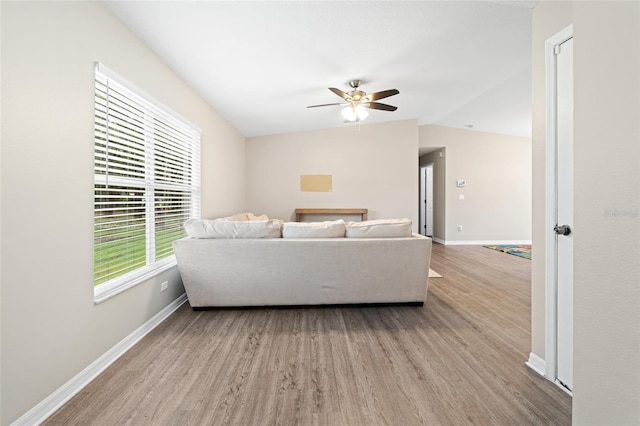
520	250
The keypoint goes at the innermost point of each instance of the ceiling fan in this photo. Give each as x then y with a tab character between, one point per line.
357	101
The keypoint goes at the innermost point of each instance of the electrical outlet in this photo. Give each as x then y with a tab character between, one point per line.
164	286
459	228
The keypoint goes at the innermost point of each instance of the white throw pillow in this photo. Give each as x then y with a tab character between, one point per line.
381	228
241	217
202	228
238	217
251	216
327	229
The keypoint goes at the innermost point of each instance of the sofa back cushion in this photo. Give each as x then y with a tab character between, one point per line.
327	229
203	228
382	228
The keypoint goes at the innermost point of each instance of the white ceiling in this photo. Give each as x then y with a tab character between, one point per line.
259	64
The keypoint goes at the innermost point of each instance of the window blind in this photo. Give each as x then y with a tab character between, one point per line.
147	181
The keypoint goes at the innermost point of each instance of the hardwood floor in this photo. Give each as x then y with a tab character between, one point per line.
458	360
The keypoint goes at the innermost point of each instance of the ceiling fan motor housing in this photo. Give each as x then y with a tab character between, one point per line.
357	95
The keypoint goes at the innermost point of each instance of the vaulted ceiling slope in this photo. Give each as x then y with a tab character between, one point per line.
259	64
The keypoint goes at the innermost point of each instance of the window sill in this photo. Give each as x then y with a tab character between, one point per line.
103	294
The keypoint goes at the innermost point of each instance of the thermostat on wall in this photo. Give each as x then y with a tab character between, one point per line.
461	182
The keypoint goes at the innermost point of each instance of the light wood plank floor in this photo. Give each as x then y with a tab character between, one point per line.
458	360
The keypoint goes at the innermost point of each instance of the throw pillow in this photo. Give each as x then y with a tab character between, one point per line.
327	229
381	228
202	228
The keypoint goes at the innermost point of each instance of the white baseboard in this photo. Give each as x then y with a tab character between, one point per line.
438	240
536	363
486	242
561	386
64	393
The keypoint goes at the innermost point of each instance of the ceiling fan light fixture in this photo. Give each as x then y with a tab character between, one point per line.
349	114
361	112
355	113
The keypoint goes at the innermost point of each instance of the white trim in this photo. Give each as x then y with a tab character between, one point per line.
64	393
486	242
536	363
438	240
550	289
564	388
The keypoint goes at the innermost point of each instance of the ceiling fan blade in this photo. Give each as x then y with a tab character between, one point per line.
323	105
382	95
340	93
378	105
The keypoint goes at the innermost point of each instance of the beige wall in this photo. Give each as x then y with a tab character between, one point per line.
607	204
439	160
374	167
497	169
51	330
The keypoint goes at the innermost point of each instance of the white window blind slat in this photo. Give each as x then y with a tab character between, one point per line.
121	85
147	182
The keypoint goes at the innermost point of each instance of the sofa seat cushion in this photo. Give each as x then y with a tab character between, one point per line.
203	228
382	228
327	229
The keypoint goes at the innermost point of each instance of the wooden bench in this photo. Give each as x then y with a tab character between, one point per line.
362	212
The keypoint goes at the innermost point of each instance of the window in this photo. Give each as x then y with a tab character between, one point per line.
147	183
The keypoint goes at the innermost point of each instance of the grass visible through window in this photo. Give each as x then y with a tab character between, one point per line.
117	257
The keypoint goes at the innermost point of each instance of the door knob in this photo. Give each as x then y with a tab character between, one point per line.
562	229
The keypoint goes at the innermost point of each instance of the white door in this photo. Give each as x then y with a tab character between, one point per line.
564	204
426	200
429	197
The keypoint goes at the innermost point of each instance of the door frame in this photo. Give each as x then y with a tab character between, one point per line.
422	203
424	198
551	284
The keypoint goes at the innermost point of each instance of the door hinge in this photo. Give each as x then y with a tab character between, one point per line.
556	49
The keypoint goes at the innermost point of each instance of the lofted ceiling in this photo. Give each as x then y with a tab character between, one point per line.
259	64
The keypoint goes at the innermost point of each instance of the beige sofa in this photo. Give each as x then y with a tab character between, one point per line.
304	271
